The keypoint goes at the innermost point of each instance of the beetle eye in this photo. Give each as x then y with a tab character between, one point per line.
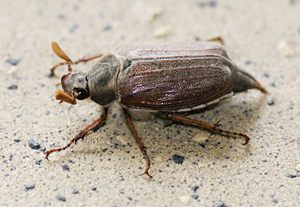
82	93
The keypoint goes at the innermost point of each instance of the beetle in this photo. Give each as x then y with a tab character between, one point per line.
161	79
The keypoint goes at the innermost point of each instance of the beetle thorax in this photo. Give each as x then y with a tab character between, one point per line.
102	79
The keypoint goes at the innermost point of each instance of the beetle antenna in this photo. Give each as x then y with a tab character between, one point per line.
60	53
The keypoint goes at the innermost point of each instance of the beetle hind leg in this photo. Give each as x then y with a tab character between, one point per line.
139	142
214	127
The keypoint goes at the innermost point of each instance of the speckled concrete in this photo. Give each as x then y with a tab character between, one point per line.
263	37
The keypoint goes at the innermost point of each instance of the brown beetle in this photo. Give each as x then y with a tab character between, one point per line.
159	79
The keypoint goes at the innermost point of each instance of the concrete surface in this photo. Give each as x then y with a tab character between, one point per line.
263	37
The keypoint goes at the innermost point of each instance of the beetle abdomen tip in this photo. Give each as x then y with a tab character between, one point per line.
244	81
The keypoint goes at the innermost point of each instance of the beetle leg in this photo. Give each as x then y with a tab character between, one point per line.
214	127
217	39
82	60
139	142
218	123
81	134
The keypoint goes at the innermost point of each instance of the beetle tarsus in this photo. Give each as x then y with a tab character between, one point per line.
247	139
139	142
148	161
81	134
146	171
214	127
47	155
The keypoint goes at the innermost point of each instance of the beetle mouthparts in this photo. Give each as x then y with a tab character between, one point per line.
64	97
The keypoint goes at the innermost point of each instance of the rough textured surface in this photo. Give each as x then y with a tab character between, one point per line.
263	37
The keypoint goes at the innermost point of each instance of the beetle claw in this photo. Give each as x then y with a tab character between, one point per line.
247	139
47	155
216	125
146	173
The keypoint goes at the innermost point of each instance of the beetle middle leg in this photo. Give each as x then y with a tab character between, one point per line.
139	142
81	134
214	127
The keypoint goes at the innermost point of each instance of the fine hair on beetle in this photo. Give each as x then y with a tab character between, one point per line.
163	79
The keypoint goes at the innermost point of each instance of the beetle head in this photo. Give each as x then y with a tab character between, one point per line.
75	86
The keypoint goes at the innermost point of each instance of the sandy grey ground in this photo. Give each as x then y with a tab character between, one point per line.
263	37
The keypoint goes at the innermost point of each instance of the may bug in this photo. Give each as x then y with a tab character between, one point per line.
155	79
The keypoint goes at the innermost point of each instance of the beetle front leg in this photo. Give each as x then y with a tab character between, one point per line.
139	142
214	127
81	134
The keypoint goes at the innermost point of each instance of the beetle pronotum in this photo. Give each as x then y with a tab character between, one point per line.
155	79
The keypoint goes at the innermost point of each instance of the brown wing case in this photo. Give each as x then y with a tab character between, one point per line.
169	77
